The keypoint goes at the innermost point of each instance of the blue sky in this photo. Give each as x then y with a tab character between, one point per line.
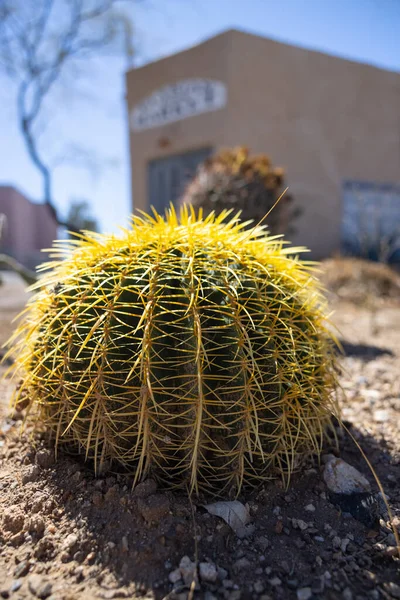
91	114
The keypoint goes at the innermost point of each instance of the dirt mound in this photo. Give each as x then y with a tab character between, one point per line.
360	281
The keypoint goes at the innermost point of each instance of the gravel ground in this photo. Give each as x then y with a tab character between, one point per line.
65	535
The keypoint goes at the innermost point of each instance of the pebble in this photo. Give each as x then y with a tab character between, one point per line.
342	478
347	594
39	587
310	508
208	572
344	543
299	524
15	586
275	581
304	593
32	473
381	416
36	525
70	541
22	569
175	576
188	570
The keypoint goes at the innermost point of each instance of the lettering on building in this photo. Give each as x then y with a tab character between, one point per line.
178	101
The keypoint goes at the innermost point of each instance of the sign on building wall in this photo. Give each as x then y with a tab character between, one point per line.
178	101
371	220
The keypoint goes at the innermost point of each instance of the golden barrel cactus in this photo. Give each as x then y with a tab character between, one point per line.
189	348
234	179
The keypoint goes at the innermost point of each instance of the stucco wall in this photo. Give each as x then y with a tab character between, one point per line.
208	60
29	227
323	118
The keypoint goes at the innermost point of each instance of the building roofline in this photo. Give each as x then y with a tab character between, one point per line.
254	34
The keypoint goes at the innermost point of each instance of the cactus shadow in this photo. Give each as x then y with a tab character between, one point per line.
129	549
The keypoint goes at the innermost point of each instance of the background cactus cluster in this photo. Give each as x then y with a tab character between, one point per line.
189	348
235	179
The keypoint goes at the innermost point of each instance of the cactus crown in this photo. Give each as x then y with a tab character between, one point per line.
189	347
238	161
233	179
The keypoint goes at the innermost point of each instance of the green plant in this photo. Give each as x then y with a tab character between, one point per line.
189	348
234	179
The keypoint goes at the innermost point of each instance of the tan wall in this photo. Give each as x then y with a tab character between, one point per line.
322	118
208	60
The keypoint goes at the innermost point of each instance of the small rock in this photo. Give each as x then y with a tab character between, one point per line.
36	525
175	576
13	520
342	478
310	508
275	581
188	570
302	525
222	573
15	586
45	548
208	572
22	569
347	594
154	508
124	544
39	587
344	543
145	489
45	458
381	416
70	541
304	593
32	473
262	542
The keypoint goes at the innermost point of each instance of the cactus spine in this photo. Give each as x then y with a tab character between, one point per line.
190	348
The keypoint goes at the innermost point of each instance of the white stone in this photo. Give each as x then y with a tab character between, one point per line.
188	570
208	572
175	576
342	478
304	593
381	416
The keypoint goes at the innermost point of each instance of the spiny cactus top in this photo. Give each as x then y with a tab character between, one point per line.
188	348
235	179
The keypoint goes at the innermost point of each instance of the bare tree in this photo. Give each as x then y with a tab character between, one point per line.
39	39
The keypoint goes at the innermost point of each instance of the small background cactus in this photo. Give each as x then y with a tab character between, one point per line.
234	179
189	348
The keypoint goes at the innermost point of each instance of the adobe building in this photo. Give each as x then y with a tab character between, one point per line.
26	227
333	124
